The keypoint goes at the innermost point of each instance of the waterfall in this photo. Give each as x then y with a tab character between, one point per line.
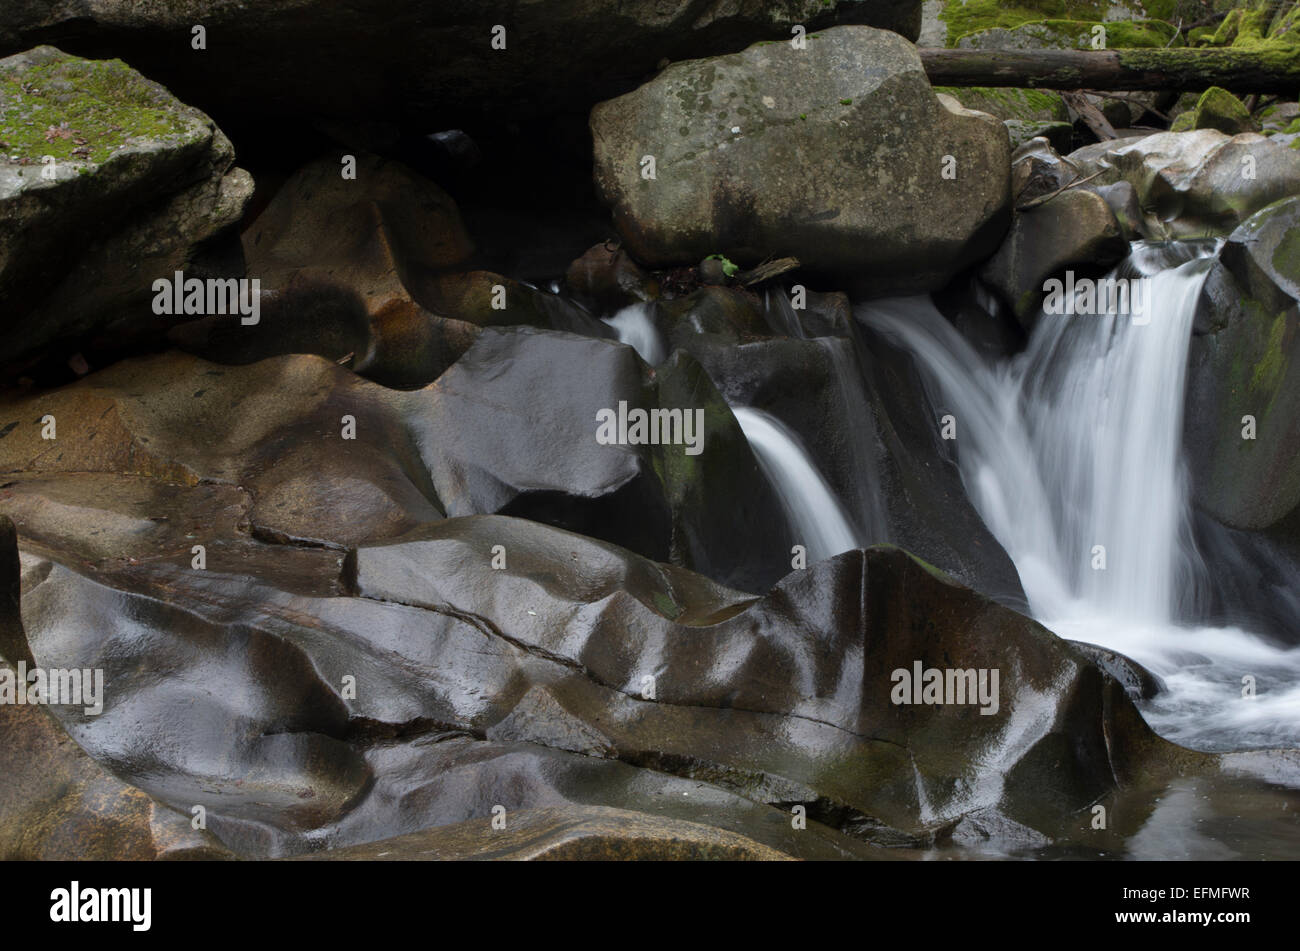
816	517
634	326
780	314
1071	453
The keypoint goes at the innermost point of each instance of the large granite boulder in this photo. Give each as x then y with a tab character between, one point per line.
1244	362
839	154
364	222
343	59
107	183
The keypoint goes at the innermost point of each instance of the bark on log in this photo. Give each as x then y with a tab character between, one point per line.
1177	69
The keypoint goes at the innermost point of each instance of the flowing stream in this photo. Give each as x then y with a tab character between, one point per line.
1071	453
816	516
634	326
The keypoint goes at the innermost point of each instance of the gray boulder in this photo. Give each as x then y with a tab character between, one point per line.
137	185
1076	228
839	154
341	60
1195	184
1246	362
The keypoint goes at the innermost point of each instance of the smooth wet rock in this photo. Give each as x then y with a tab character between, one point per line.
55	801
881	467
1195	184
377	234
487	299
1123	201
1075	229
592	833
506	433
58	804
101	521
276	428
1243	362
277	755
608	279
347	268
1138	682
1059	134
727	522
329	459
526	686
834	154
1037	170
143	186
1253	589
714	311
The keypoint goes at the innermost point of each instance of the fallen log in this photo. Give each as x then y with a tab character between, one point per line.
1081	108
1137	69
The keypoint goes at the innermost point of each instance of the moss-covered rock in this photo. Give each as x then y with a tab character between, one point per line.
1216	109
1270	28
965	17
1075	34
1278	117
1040	105
1246	473
107	183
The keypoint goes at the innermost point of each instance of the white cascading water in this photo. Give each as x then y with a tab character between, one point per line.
1076	443
633	326
815	515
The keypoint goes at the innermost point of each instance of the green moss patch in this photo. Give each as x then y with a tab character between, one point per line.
79	110
1131	23
1269	367
1286	256
1007	103
975	15
1217	109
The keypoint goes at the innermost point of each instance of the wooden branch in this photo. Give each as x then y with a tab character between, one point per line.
1129	70
1048	197
1092	117
1133	99
767	270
